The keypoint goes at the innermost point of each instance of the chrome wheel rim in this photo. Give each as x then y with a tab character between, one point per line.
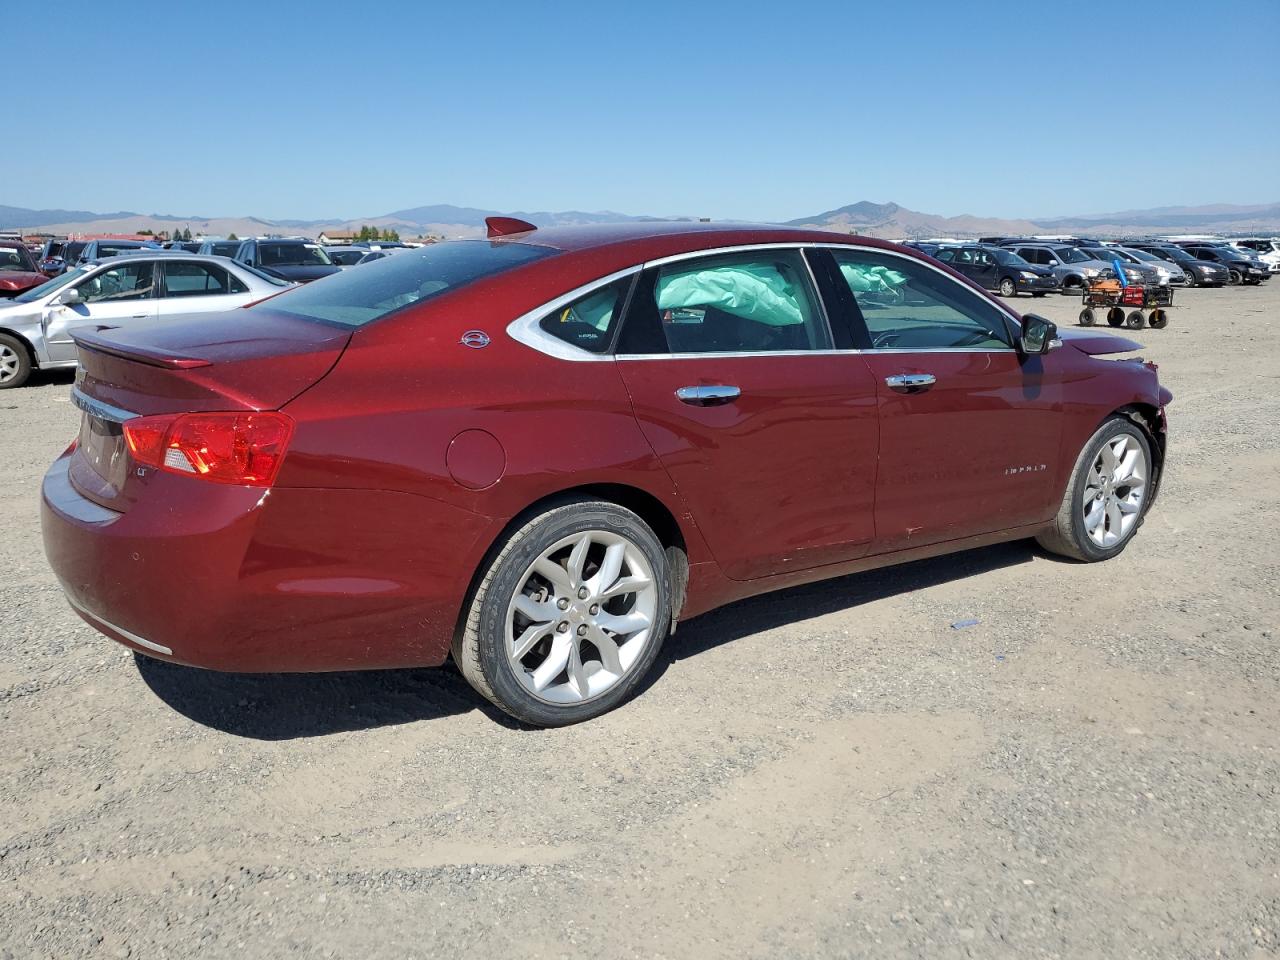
1007	288
1114	491
8	363
581	618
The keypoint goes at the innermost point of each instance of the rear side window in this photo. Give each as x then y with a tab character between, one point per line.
759	302
353	298
199	280
589	322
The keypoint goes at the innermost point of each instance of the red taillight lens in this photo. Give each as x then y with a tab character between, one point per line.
240	448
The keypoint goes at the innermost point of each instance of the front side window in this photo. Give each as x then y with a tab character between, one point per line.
757	302
907	306
129	281
589	322
199	280
356	297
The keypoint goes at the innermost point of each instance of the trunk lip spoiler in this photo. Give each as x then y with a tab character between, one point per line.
93	340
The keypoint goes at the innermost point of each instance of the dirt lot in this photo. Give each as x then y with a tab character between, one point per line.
1091	771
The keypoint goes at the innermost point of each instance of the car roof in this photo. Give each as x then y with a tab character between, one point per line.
164	255
649	240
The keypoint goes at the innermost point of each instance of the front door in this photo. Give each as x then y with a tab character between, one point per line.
969	428
111	297
769	435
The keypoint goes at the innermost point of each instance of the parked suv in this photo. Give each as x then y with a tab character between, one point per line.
1071	267
1199	273
996	268
36	327
1240	267
298	260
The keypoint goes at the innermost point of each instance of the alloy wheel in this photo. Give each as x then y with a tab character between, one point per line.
1115	490
581	617
10	363
1007	288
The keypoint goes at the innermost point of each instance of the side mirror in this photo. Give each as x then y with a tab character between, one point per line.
1038	335
69	298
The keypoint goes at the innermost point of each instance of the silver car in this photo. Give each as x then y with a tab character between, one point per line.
36	327
1168	273
1072	267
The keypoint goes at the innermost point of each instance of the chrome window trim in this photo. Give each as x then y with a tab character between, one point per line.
96	408
525	328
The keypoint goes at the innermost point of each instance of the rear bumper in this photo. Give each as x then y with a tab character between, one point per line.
243	579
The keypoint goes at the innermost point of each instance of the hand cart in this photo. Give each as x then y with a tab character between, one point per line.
1107	291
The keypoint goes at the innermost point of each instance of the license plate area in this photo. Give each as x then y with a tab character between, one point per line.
103	452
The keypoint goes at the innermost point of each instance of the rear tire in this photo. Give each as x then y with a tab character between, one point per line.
1078	531
597	674
15	362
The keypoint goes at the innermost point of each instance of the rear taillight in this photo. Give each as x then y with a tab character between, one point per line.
240	448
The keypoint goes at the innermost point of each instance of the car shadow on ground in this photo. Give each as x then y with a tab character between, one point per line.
286	706
270	706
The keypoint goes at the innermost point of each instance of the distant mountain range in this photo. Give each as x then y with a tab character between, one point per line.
887	220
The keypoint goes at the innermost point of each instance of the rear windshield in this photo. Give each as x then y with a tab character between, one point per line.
356	297
112	249
292	255
224	248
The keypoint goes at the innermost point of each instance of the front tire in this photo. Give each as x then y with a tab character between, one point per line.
1107	495
568	616
1008	288
15	362
1236	278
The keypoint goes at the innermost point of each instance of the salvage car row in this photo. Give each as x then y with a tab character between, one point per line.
1014	265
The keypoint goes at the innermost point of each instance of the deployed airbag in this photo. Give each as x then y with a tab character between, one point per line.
753	291
865	279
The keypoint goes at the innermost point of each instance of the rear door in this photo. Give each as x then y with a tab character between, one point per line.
768	432
116	296
190	286
969	427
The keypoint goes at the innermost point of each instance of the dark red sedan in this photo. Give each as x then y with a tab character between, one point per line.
538	451
19	271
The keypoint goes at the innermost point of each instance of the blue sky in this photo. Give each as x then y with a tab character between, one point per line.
765	111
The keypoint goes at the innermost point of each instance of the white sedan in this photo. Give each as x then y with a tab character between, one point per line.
36	326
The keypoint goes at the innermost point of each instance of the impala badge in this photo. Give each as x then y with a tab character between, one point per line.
475	339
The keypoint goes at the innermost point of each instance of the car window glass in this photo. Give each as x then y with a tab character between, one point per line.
590	321
760	302
130	281
946	256
196	280
908	306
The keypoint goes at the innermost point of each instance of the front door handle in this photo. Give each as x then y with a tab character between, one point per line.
910	382
712	396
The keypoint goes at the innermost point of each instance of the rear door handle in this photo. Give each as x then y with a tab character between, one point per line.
910	382
712	396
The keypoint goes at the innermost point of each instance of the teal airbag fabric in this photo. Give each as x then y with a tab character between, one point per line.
754	291
863	279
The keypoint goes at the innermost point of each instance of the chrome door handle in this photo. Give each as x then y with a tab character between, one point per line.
708	396
911	382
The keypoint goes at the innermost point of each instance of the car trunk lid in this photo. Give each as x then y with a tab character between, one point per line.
239	360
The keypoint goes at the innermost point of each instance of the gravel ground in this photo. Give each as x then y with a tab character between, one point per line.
1091	771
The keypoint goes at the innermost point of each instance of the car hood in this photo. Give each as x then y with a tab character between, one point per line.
1096	344
302	273
20	280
